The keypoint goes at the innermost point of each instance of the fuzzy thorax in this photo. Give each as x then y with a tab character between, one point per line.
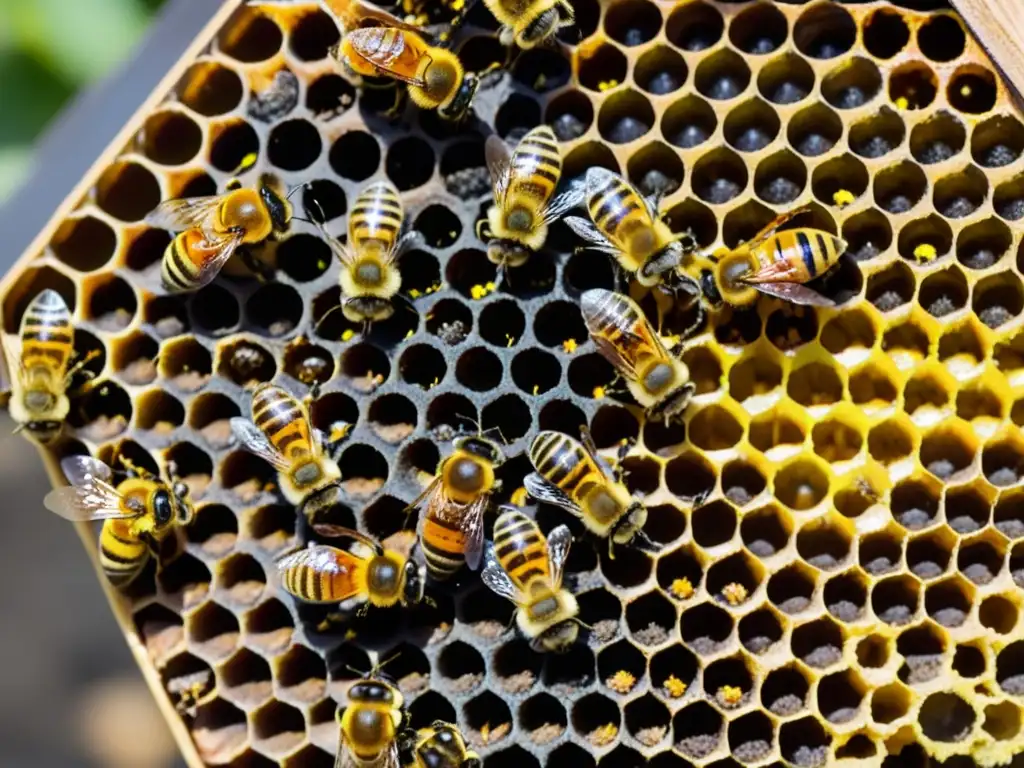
303	480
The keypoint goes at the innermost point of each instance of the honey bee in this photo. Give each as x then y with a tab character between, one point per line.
532	23
373	719
452	530
527	569
280	433
775	263
572	476
523	181
43	351
369	273
658	381
435	76
137	514
212	228
626	225
325	574
439	746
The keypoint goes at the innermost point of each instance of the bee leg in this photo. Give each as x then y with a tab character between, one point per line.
89	356
259	268
363	610
611	549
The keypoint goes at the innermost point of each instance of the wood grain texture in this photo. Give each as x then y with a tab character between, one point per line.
999	26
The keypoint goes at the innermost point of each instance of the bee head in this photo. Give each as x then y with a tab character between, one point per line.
458	105
44	432
413	584
710	288
558	638
479	445
507	253
280	210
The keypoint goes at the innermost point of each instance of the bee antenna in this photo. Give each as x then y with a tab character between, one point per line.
359	672
381	664
583	624
295	189
18	429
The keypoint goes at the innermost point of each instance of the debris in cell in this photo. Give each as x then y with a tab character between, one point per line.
897	615
851	98
845	611
662	83
605	630
141	371
752	751
902	102
958	207
979	573
169	326
690	136
795	604
925	252
810	757
814	144
879	565
566	127
761	548
888	301
674	687
657	184
729	696
788	92
488	735
843	197
983	258
652	735
479	291
607	85
652	634
942	306
924	667
621	682
699	746
275	99
1013	528
942	469
510	340
936	152
789	704
926	569
519	682
347	334
876	146
190	691
963	523
758	644
546	734
1003	476
949	617
1011	209
218	433
627	129
734	593
752	139
681	588
999	155
898	204
604	735
721	190
452	333
779	190
468	183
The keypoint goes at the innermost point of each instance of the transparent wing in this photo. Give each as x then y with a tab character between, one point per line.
91	497
343	254
563	203
472	525
545	492
184	213
499	163
586	230
494	576
352	13
80	470
611	353
796	294
341	532
591	448
559	542
223	247
254	441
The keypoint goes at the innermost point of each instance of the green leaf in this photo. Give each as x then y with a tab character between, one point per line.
14	165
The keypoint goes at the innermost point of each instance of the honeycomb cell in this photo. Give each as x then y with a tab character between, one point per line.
278	728
214	310
912	85
929	232
697	730
719	176
852	84
688	122
759	29
814	130
784	691
625	117
791	588
972	89
997	141
960	194
694	26
660	71
706	628
210	89
409	163
722	76
780	178
785	80
245	679
938	139
186	363
1008	199
543	718
885	33
294	145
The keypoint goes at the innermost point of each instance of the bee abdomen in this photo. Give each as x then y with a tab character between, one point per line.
376	216
278	415
558	460
612	206
444	547
122	557
520	547
183	260
46	332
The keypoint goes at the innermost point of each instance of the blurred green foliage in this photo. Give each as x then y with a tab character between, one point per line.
49	49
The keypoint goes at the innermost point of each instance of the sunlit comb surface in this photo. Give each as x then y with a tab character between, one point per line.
851	585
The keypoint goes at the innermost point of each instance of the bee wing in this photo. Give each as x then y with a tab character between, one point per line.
591	448
341	532
389	758
224	247
81	470
90	495
795	293
366	44
559	542
254	441
611	353
472	525
499	163
184	213
586	230
572	197
341	252
494	576
548	493
351	13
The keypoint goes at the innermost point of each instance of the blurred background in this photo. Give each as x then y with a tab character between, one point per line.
73	697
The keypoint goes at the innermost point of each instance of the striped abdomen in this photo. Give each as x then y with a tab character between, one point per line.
807	253
535	168
444	546
122	553
184	259
47	337
620	214
322	574
612	316
562	461
521	549
282	419
376	219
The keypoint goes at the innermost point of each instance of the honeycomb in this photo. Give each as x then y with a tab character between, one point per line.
849	590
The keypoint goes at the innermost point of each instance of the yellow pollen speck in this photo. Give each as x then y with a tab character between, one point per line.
674	687
414	293
902	102
681	588
598	393
729	695
347	334
607	85
734	593
339	430
409	333
536	389
321	264
485	732
965	90
350	634
511	340
604	735
479	291
843	197
434	383
569	345
458	5
621	682
518	496
925	252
